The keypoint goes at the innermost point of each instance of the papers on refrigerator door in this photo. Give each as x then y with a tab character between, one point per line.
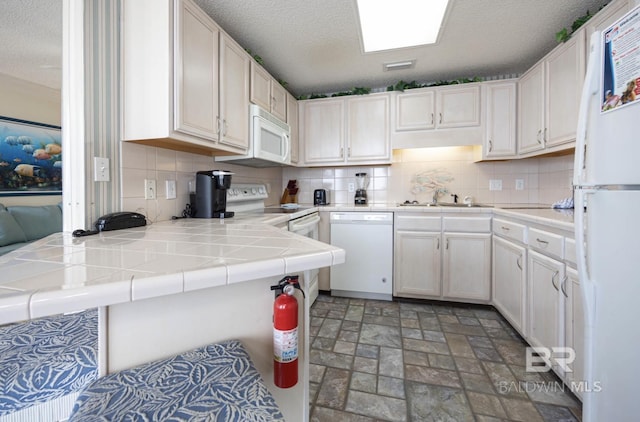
621	62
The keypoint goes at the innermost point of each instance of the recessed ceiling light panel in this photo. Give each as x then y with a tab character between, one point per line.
386	25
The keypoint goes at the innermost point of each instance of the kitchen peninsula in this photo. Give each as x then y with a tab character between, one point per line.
169	287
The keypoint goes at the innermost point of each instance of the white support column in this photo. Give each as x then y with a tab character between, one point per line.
73	132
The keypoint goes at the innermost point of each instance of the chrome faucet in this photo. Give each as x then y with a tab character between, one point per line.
434	201
455	198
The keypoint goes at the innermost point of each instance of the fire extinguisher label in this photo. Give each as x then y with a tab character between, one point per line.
285	345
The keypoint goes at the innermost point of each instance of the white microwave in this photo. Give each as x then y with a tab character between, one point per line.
269	141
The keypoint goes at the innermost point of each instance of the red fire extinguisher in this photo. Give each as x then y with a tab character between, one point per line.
285	333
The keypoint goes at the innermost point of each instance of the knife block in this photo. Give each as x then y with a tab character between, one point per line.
288	198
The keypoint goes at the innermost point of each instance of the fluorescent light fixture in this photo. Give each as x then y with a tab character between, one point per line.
403	65
387	25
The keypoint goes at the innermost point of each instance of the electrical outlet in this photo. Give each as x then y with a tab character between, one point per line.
100	169
519	184
351	187
149	189
170	187
495	184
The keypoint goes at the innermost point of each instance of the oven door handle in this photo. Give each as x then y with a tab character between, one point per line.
305	223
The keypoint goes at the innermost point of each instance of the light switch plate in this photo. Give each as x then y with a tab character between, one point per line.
495	184
100	169
170	186
150	189
519	184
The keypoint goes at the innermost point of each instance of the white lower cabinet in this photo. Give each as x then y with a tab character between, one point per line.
417	264
574	327
546	307
433	263
417	261
467	266
510	282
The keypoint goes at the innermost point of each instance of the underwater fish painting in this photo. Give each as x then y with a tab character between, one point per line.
30	158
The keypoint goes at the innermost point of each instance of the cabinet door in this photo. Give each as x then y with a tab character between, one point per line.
531	110
234	94
415	110
260	87
416	264
510	281
292	120
467	266
546	309
324	132
574	324
565	69
278	100
368	134
196	73
500	128
458	107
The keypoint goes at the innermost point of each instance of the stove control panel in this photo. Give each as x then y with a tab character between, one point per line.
246	192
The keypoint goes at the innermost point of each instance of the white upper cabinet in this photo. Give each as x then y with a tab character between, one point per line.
234	94
267	92
500	119
346	130
564	73
549	98
438	108
531	128
185	82
196	73
432	117
292	120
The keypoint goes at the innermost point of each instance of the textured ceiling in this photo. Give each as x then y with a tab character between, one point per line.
314	45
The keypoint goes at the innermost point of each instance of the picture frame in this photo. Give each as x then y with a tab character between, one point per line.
30	158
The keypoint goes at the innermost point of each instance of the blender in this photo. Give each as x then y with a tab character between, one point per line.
362	182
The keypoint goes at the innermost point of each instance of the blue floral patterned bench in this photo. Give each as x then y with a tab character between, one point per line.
213	383
44	360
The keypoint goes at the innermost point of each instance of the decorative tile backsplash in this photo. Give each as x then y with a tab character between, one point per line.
141	162
416	172
413	175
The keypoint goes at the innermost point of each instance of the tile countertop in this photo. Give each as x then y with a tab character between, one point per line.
61	273
562	219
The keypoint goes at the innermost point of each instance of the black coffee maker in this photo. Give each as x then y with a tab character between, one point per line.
211	194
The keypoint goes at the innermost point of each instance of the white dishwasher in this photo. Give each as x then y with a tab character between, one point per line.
367	238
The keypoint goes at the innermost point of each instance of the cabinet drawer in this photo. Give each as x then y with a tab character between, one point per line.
418	222
549	243
509	230
570	250
467	224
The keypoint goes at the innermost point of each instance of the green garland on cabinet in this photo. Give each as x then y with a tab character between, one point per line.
563	35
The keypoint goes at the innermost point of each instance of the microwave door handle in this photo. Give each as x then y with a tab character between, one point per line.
287	147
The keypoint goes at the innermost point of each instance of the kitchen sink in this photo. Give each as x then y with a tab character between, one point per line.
450	204
446	204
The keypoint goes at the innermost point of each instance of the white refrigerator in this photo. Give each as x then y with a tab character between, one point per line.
607	221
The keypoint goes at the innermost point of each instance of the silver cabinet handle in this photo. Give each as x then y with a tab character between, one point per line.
341	152
218	125
438	245
440	122
553	280
490	145
563	286
504	228
431	118
544	242
447	245
544	138
349	152
519	262
224	127
538	137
